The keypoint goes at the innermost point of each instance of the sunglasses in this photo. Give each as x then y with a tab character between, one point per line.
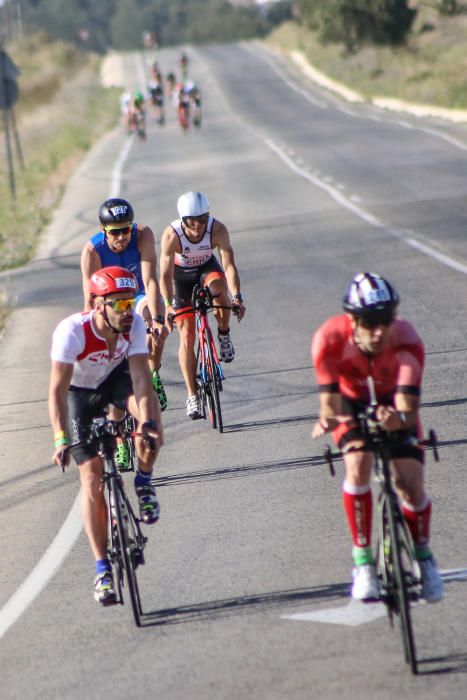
376	320
121	305
203	219
119	231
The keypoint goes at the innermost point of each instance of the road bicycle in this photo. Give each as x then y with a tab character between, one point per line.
209	374
126	541
184	116
397	570
138	124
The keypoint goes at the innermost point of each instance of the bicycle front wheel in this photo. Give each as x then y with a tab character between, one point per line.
400	564
124	543
214	402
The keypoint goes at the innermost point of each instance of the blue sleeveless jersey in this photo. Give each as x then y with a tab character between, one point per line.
130	258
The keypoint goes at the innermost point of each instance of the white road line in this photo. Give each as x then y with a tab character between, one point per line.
53	558
347	203
47	566
353	614
116	183
306	95
356	613
382	116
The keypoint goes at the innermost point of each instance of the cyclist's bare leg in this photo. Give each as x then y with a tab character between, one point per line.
220	291
93	508
186	353
408	476
358	466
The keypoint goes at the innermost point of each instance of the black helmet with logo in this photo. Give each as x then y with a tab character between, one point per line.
115	211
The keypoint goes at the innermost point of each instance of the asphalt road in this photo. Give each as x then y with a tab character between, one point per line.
252	530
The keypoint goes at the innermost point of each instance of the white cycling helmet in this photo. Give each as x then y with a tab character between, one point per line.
370	295
192	204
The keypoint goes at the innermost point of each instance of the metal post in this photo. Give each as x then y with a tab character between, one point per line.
11	171
19	150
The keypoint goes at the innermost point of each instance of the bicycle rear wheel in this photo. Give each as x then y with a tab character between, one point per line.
214	402
402	575
122	516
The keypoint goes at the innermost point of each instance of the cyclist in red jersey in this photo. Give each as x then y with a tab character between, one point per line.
368	340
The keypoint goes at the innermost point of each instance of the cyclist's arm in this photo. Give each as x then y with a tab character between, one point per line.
60	378
404	414
90	263
169	246
221	240
148	407
147	249
330	414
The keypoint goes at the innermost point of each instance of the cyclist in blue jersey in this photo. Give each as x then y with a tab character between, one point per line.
125	243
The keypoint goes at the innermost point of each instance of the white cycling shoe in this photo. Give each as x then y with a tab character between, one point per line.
432	583
193	407
365	584
227	350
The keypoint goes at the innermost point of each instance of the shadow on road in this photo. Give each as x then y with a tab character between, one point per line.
234	472
457	663
215	609
269	423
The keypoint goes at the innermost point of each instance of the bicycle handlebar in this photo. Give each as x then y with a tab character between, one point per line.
202	299
330	454
102	429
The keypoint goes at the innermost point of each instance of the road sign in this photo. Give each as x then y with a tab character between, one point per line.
7	67
8	93
8	85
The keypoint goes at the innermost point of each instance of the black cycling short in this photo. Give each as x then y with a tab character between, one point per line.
401	444
186	278
86	404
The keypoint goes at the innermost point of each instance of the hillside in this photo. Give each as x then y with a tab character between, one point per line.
61	111
431	69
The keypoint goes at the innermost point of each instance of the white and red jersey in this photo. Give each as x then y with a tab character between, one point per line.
77	342
193	254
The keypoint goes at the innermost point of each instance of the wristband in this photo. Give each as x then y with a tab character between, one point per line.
62	441
238	297
151	424
60	434
159	319
167	302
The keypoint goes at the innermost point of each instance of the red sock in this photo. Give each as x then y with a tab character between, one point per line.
359	509
418	522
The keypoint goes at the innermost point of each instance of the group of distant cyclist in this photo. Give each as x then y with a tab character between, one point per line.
108	357
183	93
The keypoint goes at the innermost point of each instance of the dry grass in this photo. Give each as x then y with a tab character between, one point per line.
62	110
431	69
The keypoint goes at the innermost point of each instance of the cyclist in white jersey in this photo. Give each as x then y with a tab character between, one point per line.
187	258
100	357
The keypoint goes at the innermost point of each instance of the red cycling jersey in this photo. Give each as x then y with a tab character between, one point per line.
342	368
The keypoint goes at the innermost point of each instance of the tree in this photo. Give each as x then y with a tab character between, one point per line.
355	22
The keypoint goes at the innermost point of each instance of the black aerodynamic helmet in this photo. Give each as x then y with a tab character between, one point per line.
371	297
115	211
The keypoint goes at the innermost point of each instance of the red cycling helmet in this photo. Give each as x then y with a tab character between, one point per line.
113	279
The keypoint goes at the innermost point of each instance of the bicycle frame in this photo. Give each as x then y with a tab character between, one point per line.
126	541
209	373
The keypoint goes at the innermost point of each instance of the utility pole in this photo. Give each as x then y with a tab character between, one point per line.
8	96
